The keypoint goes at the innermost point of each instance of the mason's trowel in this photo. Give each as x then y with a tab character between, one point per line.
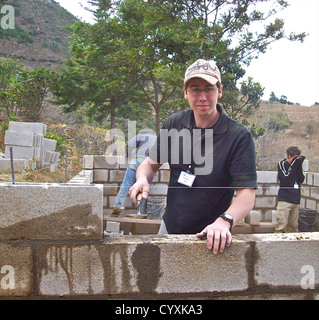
139	199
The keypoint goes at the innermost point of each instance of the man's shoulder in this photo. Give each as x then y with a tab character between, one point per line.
180	114
179	119
237	128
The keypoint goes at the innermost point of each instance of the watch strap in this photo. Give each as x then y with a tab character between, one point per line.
228	219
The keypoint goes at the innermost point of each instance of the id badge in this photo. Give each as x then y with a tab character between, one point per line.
296	186
186	178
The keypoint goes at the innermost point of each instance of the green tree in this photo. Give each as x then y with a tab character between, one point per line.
9	68
149	44
273	97
283	99
26	92
94	81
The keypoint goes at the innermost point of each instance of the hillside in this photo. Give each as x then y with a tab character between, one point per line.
40	37
292	125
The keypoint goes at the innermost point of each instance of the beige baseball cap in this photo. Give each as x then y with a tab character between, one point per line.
205	69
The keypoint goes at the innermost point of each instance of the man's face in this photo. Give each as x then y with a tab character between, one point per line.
201	103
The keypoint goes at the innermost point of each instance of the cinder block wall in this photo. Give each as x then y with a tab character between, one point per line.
110	172
265	266
52	246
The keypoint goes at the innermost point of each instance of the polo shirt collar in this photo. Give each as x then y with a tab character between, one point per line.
220	126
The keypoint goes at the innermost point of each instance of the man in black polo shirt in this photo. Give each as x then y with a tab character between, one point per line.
210	156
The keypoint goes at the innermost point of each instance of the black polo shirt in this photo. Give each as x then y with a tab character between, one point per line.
231	153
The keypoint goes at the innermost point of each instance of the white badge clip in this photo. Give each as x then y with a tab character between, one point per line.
186	178
296	185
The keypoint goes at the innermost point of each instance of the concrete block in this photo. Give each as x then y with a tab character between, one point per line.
305	191
39	141
37	153
316	179
309	178
88	162
260	190
55	157
105	204
85	175
20	152
271	191
49	144
314	193
51	211
266	216
16	276
117	175
89	175
18	165
274	216
70	270
281	259
15	138
311	204
51	156
78	180
47	156
111	189
267	176
33	127
123	165
106	162
253	217
189	273
265	202
100	175
112	226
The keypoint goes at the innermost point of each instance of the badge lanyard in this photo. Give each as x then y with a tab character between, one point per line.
285	172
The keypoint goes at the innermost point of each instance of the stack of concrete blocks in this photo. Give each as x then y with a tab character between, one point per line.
29	147
86	175
50	158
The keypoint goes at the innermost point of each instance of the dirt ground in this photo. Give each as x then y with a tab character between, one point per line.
37	176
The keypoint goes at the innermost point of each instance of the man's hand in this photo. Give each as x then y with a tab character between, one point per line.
218	235
140	186
145	173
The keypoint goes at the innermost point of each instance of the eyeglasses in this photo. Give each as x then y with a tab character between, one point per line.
197	92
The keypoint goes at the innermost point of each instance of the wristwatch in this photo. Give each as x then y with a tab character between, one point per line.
227	217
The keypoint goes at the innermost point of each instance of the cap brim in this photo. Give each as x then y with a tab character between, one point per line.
209	79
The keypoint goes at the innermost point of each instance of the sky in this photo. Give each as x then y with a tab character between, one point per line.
287	68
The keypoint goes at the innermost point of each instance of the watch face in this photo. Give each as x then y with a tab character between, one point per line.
228	216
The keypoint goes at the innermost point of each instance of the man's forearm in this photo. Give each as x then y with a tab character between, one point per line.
243	203
147	170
